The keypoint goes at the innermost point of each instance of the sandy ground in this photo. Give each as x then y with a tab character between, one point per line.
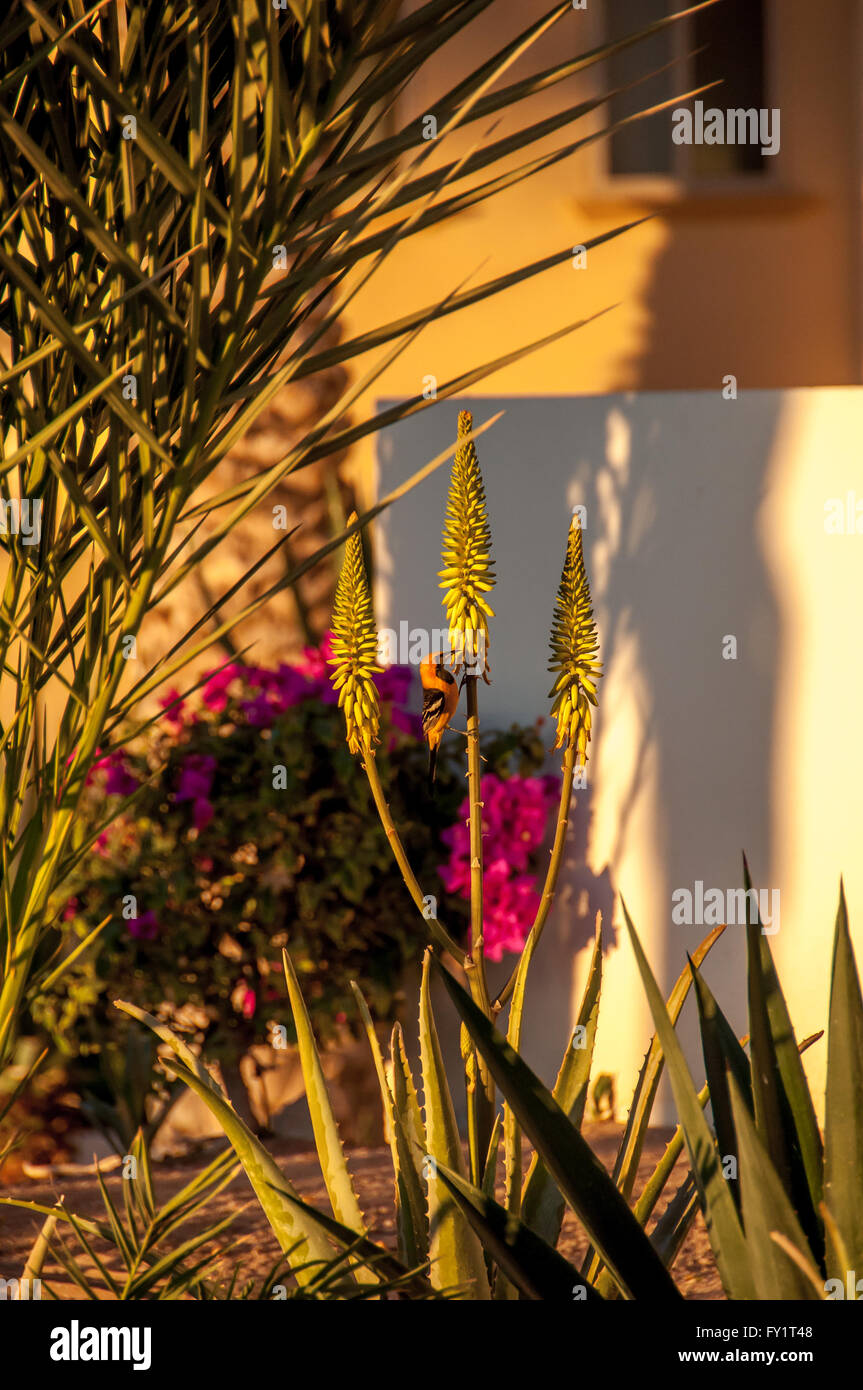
694	1270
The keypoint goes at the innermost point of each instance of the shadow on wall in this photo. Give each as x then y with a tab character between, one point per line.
680	762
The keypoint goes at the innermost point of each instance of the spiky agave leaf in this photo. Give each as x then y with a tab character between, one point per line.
574	647
355	648
467	574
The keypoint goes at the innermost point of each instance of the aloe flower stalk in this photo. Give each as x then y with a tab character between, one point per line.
355	648
466	577
574	647
354	656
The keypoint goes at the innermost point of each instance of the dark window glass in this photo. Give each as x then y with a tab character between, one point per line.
645	146
731	36
725	43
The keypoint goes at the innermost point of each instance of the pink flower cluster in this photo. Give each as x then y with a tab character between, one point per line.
515	816
264	694
145	927
195	784
118	780
270	692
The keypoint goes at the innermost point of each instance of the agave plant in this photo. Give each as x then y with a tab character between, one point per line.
443	1221
183	191
783	1203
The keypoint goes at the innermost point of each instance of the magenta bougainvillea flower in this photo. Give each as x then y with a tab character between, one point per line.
195	784
215	692
173	715
196	777
515	816
262	694
268	692
118	780
202	812
313	662
145	927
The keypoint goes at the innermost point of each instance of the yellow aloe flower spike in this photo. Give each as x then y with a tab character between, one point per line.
467	575
574	647
355	648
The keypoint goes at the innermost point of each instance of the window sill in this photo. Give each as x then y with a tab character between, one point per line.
738	198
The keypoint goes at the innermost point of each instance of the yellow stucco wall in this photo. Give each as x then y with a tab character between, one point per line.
764	284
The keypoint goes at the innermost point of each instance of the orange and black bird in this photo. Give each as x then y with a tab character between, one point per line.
440	698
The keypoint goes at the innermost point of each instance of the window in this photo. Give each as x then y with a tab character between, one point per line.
726	43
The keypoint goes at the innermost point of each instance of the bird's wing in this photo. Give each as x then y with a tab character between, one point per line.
433	708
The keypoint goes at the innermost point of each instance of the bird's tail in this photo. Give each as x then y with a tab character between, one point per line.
432	764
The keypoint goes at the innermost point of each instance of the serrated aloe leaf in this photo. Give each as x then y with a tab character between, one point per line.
673	1226
454	1250
843	1129
766	1210
784	1112
720	1213
489	1172
299	1239
406	1107
334	1168
542	1204
838	1259
631	1146
575	1168
411	1222
806	1267
650	1194
653	1188
722	1052
533	1266
670	1231
404	1090
361	1247
632	1143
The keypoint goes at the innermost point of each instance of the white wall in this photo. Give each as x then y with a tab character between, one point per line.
705	518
